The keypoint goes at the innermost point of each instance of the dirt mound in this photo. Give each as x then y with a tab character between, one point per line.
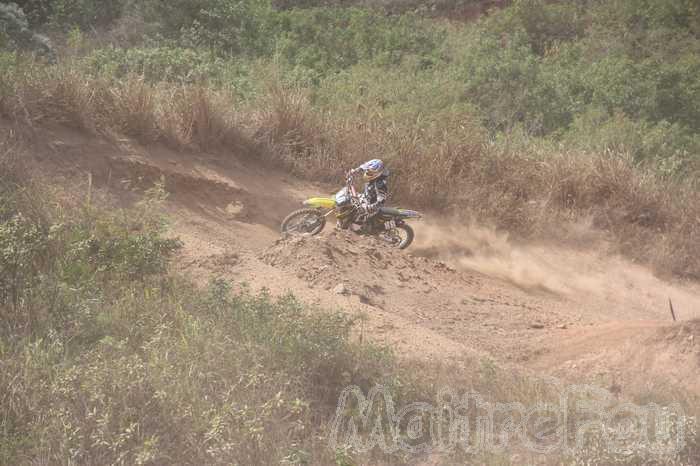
349	264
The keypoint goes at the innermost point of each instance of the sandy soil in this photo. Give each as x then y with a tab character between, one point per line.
460	292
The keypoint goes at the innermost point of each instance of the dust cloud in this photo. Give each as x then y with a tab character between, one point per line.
592	274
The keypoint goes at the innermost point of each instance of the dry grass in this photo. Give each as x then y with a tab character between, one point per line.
495	385
10	163
454	167
197	116
450	165
653	220
17	188
133	110
186	116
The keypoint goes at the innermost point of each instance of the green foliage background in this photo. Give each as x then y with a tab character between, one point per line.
107	357
619	75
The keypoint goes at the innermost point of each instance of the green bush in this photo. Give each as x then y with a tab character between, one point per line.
156	64
108	358
534	65
329	39
38	259
543	23
645	15
678	91
63	14
406	93
669	147
234	28
84	13
322	39
175	16
16	34
503	77
23	246
210	377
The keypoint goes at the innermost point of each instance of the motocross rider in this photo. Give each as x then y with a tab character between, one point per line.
376	188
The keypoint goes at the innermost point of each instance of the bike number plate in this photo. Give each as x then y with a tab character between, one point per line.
390	225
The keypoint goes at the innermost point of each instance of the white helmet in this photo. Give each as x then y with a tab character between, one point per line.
373	169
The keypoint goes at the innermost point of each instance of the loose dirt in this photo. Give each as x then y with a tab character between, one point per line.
460	292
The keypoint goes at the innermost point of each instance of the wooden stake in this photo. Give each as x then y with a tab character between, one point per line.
89	194
673	314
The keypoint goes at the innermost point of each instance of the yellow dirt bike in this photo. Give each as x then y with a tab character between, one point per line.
388	224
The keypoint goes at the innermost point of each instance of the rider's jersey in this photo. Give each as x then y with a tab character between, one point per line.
376	192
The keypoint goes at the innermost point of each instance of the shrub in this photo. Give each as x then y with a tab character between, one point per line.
544	24
503	78
85	13
670	147
322	39
64	14
22	249
156	64
209	377
114	366
329	39
15	32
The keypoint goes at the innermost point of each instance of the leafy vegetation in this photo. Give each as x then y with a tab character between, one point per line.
15	32
107	357
556	70
534	115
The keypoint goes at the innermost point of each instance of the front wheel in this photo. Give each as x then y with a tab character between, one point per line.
400	237
304	221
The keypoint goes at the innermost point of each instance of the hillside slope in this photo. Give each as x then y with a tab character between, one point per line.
461	292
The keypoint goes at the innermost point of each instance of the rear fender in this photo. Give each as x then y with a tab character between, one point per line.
405	213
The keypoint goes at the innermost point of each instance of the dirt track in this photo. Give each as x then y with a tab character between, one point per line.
460	292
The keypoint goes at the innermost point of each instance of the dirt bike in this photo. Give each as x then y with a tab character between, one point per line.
388	224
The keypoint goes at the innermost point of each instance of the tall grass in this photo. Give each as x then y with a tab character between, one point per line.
451	164
443	161
186	115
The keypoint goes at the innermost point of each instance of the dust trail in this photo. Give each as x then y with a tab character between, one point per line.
592	274
489	252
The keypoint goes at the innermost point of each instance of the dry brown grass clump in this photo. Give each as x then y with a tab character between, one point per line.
132	107
653	220
182	116
321	146
453	167
196	115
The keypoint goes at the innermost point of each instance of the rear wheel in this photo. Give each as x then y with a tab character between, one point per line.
304	222
400	237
